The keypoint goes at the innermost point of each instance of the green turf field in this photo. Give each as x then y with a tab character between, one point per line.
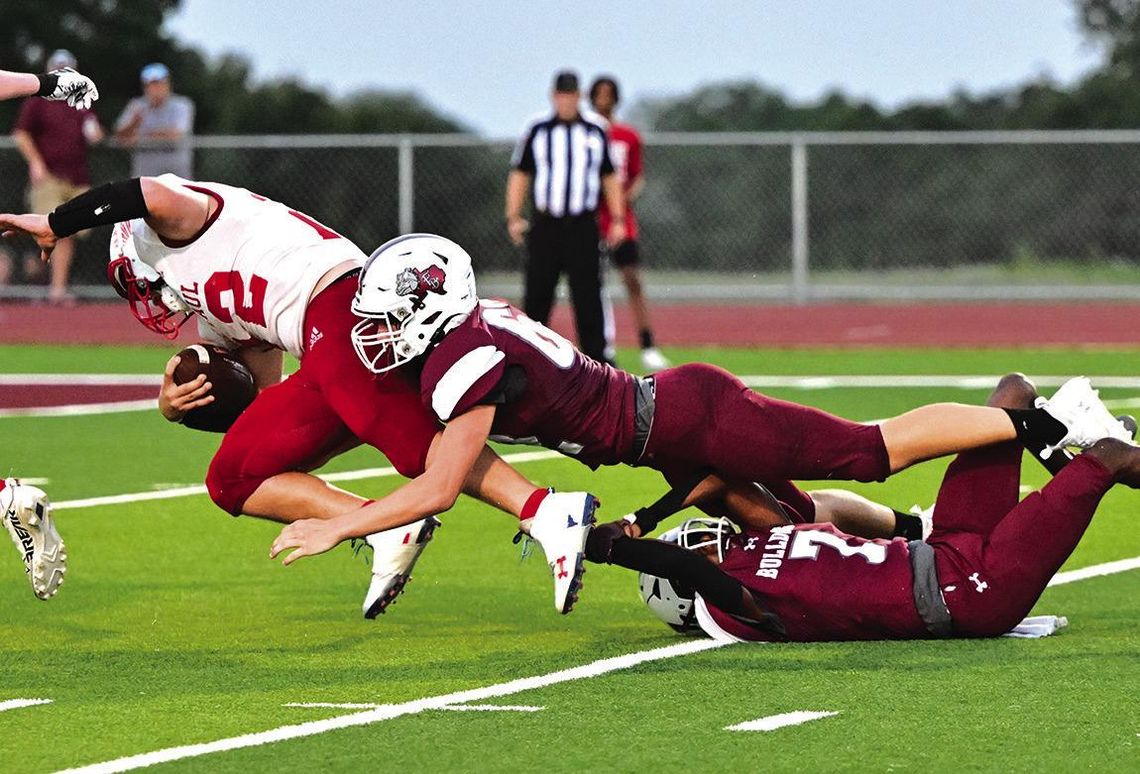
174	628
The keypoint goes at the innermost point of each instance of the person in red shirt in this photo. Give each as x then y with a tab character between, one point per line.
978	574
53	138
625	148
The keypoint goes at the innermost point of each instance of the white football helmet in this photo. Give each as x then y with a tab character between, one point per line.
153	303
413	289
669	600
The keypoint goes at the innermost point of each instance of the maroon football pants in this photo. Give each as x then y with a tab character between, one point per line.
995	555
329	405
707	418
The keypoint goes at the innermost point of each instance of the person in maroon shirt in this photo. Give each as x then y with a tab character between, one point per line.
980	572
53	138
487	370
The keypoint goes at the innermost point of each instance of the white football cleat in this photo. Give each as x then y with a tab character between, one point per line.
395	552
27	515
653	360
1078	407
561	526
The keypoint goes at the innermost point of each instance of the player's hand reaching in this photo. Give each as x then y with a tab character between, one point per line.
308	536
174	400
35	226
77	89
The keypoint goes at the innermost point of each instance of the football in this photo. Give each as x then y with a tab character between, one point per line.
233	387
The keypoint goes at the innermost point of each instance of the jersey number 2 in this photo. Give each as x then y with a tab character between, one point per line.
248	307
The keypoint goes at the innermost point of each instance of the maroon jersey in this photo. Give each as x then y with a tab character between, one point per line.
57	132
824	585
548	392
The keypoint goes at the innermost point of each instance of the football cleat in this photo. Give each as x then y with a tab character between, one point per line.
395	552
1078	407
653	360
561	526
27	515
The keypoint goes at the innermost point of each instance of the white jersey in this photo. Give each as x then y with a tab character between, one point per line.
251	269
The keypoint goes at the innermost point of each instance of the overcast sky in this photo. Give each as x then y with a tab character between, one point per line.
489	63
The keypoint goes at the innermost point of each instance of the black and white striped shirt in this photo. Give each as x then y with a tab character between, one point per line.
567	161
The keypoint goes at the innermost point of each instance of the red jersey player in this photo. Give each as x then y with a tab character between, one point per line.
263	279
981	571
487	370
625	148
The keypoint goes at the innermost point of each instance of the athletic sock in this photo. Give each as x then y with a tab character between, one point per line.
1036	428
646	338
907	525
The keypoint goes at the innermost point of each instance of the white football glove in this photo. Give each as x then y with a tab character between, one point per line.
77	89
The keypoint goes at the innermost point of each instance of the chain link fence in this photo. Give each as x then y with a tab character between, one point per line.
798	216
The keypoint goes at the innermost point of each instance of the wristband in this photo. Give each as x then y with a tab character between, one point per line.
101	206
48	82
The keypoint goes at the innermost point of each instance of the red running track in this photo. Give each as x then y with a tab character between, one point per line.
841	325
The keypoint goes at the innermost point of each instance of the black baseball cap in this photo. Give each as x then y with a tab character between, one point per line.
566	81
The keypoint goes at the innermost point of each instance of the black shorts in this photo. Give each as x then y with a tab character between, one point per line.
625	254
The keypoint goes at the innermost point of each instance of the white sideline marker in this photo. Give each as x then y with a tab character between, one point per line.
772	722
12	704
389	711
1095	571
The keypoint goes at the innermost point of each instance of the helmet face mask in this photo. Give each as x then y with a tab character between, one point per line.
413	290
153	303
669	600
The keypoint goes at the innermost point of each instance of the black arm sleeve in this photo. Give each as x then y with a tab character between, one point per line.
666	560
101	206
671	502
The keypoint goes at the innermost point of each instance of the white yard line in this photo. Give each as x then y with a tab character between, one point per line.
379	713
772	722
199	489
450	707
1096	571
12	704
964	382
390	711
81	409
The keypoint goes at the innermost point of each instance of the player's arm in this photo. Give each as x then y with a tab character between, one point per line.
174	212
37	169
615	202
452	457
13	85
518	182
267	364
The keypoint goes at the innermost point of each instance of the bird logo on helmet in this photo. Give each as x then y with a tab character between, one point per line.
418	283
413	290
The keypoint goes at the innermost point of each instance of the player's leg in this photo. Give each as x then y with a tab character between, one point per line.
584	272
993	585
543	268
259	470
627	258
708	416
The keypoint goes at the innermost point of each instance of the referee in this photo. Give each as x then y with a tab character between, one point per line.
564	159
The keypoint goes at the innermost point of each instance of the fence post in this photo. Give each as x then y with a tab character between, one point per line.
407	193
800	278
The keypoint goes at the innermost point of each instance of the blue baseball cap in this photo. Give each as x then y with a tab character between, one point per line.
155	72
